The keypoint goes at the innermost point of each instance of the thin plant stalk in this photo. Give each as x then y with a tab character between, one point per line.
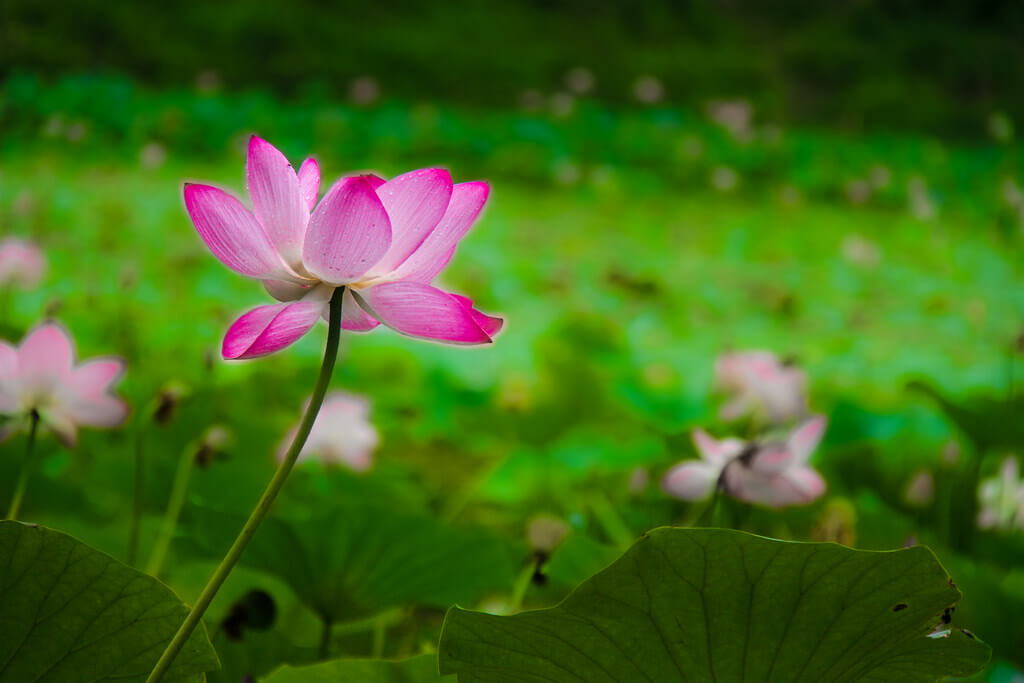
139	497
26	469
174	504
195	615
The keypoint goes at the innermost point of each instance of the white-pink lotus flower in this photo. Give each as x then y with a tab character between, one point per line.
771	473
384	241
1001	498
342	433
41	377
21	263
760	384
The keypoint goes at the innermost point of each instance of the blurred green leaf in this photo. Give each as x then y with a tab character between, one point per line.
359	559
413	670
715	604
71	613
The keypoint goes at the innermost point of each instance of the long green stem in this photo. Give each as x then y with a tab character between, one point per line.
26	468
174	504
138	502
263	506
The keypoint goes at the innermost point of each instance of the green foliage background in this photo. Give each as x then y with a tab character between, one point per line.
619	266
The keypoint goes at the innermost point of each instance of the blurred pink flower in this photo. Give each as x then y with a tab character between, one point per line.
773	474
342	433
760	383
920	490
21	263
1001	498
385	241
41	376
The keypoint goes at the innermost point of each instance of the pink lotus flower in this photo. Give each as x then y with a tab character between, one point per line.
761	384
342	433
21	263
41	377
385	241
773	474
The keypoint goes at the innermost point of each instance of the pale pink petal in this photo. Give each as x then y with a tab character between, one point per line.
772	458
415	203
437	249
309	182
488	323
353	317
233	234
348	233
94	377
283	290
693	480
805	438
101	410
44	360
277	202
271	328
796	486
419	310
707	446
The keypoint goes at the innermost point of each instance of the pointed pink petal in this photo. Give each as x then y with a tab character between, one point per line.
271	328
805	438
415	202
232	233
693	480
374	180
707	446
795	486
437	249
309	182
283	290
45	358
419	310
276	199
488	323
94	377
348	233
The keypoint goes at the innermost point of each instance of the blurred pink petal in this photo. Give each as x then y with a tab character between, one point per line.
415	202
277	201
759	382
309	182
44	360
804	439
21	263
94	377
692	480
419	310
437	249
349	232
233	234
267	329
342	433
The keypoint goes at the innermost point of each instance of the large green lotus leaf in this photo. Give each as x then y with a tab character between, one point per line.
358	559
722	605
421	669
71	613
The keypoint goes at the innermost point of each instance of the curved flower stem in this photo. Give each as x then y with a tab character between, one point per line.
26	468
195	615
